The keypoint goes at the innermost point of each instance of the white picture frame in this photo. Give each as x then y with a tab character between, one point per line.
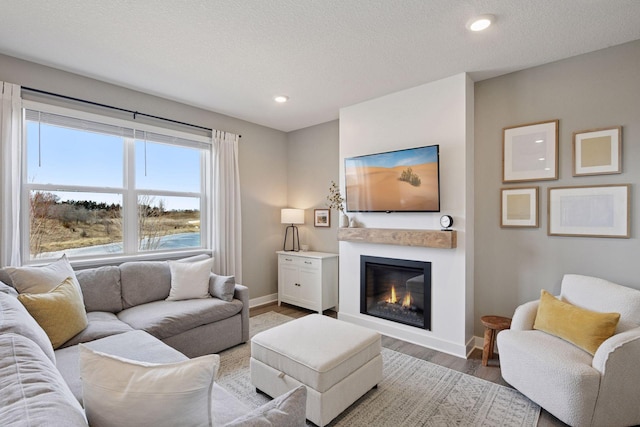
590	211
530	152
519	207
597	151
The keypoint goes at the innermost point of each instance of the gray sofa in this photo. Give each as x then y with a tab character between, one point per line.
128	316
132	297
41	388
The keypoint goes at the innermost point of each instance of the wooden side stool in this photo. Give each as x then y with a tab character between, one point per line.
492	325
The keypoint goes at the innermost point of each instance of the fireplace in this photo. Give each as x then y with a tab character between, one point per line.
397	290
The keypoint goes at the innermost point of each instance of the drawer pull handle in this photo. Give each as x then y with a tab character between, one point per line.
288	259
308	262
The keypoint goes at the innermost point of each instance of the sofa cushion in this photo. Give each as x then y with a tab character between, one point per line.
290	409
135	345
164	319
144	281
189	279
41	279
8	290
15	318
225	407
101	288
59	312
32	391
570	383
100	324
222	287
122	392
584	328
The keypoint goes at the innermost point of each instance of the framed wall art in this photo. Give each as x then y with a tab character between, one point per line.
590	211
519	207
530	152
321	218
597	151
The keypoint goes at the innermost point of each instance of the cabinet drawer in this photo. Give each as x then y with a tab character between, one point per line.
299	261
309	262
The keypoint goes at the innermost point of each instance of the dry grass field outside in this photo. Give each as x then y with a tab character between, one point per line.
58	236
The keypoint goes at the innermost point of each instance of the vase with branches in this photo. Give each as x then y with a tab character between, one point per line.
336	201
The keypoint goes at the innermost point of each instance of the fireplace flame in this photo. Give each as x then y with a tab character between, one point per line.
406	301
392	299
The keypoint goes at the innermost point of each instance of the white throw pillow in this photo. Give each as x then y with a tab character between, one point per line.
190	279
42	279
121	392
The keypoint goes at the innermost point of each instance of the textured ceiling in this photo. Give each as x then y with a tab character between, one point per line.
233	56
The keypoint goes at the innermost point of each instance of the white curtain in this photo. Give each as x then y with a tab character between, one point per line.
227	225
10	177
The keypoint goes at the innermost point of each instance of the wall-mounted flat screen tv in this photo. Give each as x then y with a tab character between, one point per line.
396	181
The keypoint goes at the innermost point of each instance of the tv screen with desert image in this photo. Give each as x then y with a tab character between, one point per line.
396	181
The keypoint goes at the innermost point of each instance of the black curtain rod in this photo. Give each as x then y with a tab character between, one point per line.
124	110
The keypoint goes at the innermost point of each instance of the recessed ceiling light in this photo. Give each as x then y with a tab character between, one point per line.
480	23
281	98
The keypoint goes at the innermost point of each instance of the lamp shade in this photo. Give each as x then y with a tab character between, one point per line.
292	216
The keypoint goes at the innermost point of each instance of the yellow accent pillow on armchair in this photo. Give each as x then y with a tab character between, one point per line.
60	312
585	328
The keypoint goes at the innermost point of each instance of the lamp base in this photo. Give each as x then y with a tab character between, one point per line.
295	239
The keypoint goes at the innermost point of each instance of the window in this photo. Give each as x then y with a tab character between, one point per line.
96	186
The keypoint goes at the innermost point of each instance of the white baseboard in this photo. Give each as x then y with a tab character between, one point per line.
254	302
479	343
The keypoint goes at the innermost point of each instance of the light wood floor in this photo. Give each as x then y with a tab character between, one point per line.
472	365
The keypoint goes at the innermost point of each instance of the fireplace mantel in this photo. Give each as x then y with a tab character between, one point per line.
402	237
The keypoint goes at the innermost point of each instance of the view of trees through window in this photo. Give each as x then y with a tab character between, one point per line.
79	187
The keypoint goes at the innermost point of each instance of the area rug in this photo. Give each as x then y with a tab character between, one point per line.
413	392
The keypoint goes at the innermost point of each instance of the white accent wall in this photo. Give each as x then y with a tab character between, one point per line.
436	113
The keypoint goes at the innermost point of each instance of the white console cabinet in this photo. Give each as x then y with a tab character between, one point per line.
308	279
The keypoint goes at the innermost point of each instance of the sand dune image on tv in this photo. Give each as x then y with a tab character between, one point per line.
396	181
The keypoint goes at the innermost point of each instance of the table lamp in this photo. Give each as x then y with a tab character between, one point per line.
292	216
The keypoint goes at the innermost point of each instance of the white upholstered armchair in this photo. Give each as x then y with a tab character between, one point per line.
576	387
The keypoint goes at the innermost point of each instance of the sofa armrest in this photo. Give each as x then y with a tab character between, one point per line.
616	360
242	293
525	316
618	346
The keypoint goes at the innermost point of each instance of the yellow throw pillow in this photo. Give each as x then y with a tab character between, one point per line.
585	328
60	312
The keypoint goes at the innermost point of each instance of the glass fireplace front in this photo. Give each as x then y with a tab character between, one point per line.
396	289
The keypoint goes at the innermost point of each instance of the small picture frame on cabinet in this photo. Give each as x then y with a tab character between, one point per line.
321	218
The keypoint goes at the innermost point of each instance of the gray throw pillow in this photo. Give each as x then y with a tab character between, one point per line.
222	287
14	318
290	409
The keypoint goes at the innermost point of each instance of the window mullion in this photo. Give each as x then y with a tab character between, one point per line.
130	211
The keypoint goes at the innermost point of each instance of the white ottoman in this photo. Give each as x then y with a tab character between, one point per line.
337	361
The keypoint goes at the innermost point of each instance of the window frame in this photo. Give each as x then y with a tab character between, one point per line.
128	191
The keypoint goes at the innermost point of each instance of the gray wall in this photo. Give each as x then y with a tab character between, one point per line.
313	163
511	266
599	89
263	153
